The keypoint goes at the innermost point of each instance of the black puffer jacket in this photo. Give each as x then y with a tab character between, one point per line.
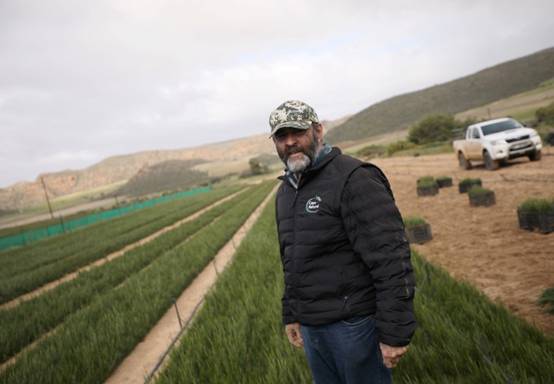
343	248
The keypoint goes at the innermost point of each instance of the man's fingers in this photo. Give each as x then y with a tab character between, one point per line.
299	340
391	356
395	353
294	335
390	363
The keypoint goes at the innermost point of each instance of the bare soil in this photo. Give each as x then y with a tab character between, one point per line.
484	245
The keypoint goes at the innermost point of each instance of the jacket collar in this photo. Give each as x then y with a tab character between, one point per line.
323	158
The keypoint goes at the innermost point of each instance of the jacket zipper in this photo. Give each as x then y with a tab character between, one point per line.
345	299
294	228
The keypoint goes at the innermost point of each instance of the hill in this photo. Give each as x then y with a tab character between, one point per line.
119	169
219	159
483	87
168	175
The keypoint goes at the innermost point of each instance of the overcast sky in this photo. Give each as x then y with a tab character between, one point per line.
84	80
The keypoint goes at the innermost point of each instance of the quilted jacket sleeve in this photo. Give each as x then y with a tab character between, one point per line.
376	232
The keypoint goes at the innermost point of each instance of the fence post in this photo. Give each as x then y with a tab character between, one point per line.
62	223
178	314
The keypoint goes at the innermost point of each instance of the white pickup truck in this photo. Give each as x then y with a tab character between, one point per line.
496	141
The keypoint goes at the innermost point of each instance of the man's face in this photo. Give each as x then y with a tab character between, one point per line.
297	147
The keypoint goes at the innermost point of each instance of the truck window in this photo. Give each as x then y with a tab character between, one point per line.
475	134
505	125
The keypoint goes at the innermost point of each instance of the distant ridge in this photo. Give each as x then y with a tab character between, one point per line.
170	175
455	96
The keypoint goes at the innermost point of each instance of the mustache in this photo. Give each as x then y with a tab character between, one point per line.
293	150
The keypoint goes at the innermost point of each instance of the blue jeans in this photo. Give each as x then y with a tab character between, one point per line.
345	352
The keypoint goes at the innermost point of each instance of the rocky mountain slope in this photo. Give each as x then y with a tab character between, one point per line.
123	167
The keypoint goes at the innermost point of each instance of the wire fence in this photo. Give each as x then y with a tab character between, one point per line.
32	235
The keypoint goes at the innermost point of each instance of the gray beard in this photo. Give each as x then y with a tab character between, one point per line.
298	165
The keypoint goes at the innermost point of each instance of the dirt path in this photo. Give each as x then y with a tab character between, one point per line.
70	276
484	246
149	356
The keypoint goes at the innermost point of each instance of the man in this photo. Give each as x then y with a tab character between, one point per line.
349	282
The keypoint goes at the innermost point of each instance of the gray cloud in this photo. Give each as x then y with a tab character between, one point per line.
82	81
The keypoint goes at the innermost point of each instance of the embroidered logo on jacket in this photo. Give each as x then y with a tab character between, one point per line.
312	205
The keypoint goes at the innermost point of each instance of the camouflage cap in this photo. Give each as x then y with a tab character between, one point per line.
292	114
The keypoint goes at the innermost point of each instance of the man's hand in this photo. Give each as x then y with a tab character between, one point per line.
293	333
391	355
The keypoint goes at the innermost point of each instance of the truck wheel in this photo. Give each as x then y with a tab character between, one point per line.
490	164
464	163
535	156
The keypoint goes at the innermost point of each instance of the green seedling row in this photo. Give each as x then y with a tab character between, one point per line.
27	322
462	337
90	344
238	336
92	243
46	251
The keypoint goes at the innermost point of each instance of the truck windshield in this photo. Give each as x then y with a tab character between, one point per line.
500	126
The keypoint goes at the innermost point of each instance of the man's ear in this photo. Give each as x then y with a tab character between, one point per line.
320	131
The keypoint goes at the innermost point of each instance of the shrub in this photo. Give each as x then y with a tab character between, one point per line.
418	231
467	183
477	190
427	186
413	221
535	205
425	179
426	182
481	197
546	114
548	138
372	150
257	167
399	146
432	128
444	181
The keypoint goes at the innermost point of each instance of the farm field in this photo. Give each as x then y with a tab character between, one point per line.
31	319
463	337
118	317
24	269
484	246
238	337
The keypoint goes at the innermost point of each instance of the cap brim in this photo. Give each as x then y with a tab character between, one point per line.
292	124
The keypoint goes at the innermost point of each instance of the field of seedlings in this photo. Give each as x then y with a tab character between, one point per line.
81	330
462	337
27	268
